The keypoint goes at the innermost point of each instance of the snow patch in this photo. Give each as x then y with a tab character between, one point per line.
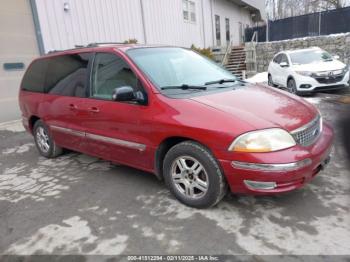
313	100
258	78
18	149
72	236
13	126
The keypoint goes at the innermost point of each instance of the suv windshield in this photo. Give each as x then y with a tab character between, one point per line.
178	67
310	56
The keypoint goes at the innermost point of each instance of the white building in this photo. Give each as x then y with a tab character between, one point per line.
205	23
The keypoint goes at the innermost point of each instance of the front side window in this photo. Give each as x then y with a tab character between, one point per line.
110	72
177	66
284	59
310	56
67	75
189	10
277	59
217	30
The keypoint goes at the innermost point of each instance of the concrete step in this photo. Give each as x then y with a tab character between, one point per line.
236	59
236	62
243	67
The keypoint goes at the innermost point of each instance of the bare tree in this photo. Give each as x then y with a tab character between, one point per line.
278	9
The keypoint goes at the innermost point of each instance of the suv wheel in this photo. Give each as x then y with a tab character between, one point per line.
292	86
270	82
44	142
193	175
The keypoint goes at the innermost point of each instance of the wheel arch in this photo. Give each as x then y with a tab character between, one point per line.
31	121
164	147
290	77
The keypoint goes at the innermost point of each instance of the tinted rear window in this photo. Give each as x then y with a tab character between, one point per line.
34	78
68	75
65	75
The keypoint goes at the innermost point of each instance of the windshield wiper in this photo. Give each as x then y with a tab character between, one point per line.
184	87
221	81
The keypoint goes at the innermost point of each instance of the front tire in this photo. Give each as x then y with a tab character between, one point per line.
292	87
193	175
44	141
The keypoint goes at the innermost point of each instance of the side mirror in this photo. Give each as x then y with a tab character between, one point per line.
336	57
127	94
284	64
124	93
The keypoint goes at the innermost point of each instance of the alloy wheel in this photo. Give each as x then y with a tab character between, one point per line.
42	139
189	177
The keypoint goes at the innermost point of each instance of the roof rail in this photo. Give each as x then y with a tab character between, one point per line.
69	49
105	43
87	46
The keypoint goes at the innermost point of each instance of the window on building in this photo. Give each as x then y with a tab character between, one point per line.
110	72
189	10
228	34
217	30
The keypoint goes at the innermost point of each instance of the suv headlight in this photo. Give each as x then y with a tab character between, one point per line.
304	73
268	140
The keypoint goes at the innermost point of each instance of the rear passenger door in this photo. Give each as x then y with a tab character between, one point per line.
66	86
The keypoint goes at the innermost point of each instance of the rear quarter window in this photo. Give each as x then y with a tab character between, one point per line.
67	75
34	78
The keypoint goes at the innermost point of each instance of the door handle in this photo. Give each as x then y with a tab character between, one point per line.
94	110
73	107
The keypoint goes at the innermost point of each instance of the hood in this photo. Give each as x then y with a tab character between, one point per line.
320	66
262	107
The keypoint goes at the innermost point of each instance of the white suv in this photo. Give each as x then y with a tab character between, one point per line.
308	70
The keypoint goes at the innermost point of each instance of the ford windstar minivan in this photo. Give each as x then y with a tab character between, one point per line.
174	113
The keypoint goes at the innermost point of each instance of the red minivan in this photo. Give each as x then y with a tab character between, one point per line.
172	112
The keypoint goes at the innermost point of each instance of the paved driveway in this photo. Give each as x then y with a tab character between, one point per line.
77	204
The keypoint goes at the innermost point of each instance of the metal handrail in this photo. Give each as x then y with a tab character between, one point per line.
255	37
228	51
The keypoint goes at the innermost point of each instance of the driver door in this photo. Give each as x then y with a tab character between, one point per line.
284	70
116	131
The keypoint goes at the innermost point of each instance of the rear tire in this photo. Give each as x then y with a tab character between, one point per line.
193	175
44	141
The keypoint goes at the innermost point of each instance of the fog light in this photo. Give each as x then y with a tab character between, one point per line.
305	86
254	185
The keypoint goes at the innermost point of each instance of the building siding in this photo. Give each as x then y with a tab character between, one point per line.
151	22
18	44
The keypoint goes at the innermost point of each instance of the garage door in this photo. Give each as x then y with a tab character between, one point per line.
18	46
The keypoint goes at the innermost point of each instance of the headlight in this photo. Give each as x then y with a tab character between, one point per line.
267	140
346	69
304	73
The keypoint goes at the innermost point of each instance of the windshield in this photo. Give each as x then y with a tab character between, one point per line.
310	56
177	66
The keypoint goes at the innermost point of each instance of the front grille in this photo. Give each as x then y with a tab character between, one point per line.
308	134
329	79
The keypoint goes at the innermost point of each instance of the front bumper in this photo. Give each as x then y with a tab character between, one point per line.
309	84
289	169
